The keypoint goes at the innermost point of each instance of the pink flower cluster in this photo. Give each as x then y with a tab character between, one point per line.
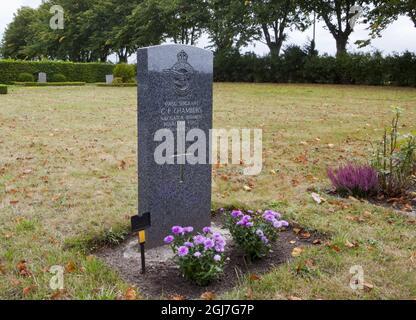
245	220
208	242
274	218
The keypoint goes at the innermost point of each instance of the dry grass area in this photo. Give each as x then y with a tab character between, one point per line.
68	182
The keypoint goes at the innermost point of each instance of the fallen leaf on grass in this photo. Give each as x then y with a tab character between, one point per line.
355	219
317	198
317	241
122	165
292	242
2	269
23	270
367	214
254	277
177	297
303	159
209	295
335	248
58	295
26	291
70	267
297	230
247	188
249	294
130	294
350	245
368	286
297	252
293	298
305	235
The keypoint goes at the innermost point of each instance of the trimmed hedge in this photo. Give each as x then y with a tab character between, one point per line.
296	66
26	77
59	77
3	89
74	72
49	84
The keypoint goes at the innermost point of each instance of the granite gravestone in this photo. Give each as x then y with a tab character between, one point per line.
109	79
42	77
175	93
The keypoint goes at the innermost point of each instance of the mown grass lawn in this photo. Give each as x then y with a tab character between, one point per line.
68	183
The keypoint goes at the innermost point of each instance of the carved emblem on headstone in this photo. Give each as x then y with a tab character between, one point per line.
181	74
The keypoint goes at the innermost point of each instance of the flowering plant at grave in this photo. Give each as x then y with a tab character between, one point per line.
255	232
201	257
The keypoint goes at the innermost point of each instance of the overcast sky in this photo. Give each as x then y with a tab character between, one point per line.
399	37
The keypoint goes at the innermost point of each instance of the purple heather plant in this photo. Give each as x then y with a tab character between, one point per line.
255	232
201	257
354	180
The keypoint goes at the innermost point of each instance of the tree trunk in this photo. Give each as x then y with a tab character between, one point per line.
342	42
275	48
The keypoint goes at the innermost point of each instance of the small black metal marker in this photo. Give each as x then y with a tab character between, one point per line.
139	224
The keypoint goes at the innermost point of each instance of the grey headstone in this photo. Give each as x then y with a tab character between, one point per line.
175	84
42	77
109	79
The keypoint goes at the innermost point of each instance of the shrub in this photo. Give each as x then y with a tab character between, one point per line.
3	89
254	233
200	258
117	81
58	77
26	77
354	180
125	71
49	84
395	159
74	72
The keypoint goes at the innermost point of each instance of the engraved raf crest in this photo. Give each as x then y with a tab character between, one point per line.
181	74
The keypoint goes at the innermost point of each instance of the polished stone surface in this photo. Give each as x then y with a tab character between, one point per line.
175	85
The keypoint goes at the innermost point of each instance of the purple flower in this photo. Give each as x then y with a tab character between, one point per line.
222	210
264	240
260	233
284	223
177	230
199	240
236	213
189	244
207	230
209	244
188	229
249	224
217	257
277	224
355	179
219	248
183	251
269	216
250	211
169	239
197	254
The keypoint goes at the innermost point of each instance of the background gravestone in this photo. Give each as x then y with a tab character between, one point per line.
109	79
175	84
42	77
